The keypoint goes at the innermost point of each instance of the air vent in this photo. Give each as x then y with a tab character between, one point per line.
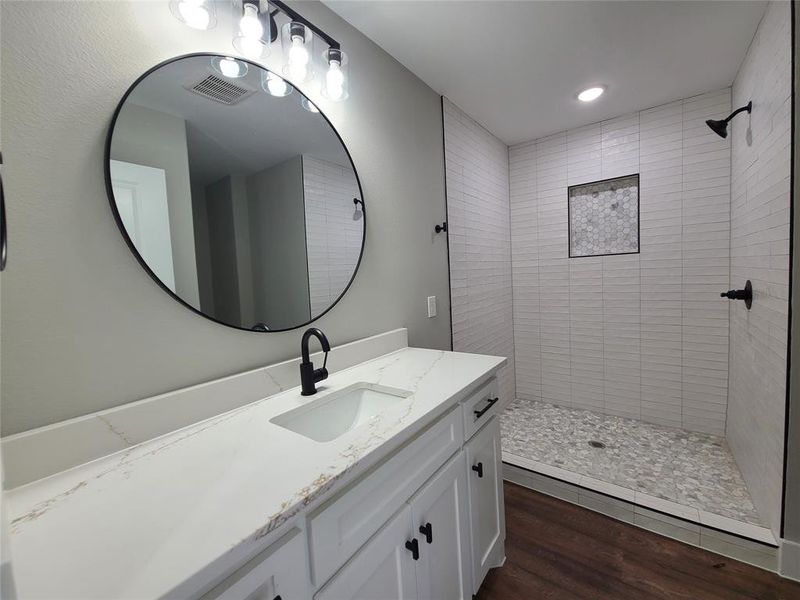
221	90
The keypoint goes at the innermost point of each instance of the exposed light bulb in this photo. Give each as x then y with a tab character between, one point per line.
298	59
334	81
593	93
194	13
250	25
230	68
309	105
298	54
251	47
298	72
277	86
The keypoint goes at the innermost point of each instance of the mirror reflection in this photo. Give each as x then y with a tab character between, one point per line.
236	193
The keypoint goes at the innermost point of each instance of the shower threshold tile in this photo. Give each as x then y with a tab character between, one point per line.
690	475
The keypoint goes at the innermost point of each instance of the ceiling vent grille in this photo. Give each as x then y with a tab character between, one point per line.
221	90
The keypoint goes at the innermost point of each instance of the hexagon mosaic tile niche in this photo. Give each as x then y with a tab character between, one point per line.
604	217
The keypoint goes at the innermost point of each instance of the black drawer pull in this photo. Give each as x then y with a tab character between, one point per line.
427	531
478	469
490	404
413	545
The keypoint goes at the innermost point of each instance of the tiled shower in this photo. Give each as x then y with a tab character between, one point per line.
632	344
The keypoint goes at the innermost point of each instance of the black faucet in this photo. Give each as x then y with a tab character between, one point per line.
308	374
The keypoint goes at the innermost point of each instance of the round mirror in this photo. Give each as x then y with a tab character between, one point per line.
235	193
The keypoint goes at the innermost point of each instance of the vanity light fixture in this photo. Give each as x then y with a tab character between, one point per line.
229	67
254	30
591	94
197	14
309	105
275	85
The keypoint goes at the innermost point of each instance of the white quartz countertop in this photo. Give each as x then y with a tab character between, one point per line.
141	522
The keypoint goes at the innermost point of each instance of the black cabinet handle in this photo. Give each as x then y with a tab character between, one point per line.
478	469
490	404
427	531
413	545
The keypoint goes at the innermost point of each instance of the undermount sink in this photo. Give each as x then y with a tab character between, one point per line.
333	415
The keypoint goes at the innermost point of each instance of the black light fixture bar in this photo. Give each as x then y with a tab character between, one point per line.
294	16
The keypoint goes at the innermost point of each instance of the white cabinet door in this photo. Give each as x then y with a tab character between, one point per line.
440	514
487	512
382	570
279	572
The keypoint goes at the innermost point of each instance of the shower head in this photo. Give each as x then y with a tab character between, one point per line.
718	127
721	127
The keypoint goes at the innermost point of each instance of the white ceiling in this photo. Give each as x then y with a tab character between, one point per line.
516	67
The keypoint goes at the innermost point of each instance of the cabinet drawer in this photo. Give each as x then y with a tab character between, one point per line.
277	572
480	407
341	526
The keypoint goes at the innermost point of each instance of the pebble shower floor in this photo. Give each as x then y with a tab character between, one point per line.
689	468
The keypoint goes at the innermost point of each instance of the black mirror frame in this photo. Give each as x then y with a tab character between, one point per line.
129	241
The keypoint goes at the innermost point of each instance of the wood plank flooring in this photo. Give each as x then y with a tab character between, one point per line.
558	551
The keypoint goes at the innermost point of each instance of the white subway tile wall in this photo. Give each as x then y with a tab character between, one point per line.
333	237
643	336
760	252
479	237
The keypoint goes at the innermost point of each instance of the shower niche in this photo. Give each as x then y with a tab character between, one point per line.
603	217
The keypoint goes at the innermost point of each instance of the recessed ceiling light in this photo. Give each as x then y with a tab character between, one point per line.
593	93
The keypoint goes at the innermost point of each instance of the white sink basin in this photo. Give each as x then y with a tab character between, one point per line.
335	414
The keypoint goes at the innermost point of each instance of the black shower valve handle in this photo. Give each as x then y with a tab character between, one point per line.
745	294
734	294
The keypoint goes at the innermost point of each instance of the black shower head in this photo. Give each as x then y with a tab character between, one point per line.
721	127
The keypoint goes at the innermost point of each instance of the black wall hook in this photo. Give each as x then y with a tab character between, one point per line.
441	228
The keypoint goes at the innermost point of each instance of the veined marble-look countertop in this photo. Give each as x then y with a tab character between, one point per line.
148	521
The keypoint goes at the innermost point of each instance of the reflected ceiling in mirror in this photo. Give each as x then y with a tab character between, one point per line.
235	193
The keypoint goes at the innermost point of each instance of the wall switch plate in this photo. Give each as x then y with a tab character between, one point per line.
431	306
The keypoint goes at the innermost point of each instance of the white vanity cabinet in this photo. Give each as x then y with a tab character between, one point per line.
448	533
487	512
427	523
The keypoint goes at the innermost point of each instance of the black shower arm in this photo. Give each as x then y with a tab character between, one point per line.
748	107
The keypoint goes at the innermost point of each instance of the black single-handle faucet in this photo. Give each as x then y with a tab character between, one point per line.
309	376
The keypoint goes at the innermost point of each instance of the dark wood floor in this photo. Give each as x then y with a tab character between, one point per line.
559	551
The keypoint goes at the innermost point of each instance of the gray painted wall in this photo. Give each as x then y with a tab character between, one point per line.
84	327
278	238
156	139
